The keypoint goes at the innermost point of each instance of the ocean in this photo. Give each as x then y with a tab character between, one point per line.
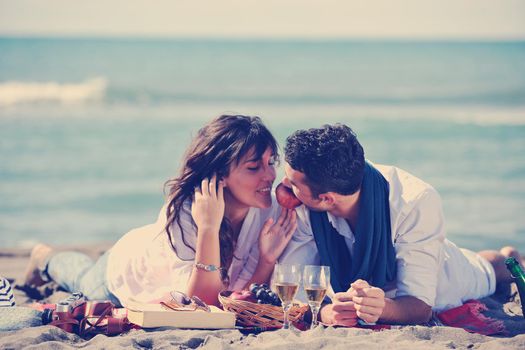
90	129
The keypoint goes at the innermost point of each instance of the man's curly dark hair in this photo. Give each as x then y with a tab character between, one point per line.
331	158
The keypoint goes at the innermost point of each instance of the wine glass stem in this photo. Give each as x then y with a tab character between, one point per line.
315	312
286	322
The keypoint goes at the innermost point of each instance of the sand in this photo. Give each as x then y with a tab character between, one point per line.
13	262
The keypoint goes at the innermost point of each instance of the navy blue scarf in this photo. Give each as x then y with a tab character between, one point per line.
374	257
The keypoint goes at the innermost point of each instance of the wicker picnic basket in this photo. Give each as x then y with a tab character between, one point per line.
260	315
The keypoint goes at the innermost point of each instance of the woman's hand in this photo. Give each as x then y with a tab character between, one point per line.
275	236
207	208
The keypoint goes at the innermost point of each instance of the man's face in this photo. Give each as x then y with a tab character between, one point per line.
296	180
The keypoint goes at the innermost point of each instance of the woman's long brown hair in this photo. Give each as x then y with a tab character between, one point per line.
217	146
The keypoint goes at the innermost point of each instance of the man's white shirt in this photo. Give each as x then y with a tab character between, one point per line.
429	267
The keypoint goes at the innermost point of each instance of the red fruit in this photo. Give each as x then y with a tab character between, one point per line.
286	197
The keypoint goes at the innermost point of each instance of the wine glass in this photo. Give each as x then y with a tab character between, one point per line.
286	279
316	280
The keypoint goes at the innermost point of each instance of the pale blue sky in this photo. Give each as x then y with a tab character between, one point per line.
419	19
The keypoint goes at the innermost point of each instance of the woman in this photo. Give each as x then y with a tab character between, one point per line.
219	229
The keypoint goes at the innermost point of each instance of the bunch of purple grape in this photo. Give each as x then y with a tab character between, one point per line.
264	294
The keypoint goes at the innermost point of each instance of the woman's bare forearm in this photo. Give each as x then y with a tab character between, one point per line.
206	284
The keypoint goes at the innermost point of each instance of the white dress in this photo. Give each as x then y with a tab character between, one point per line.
429	267
143	266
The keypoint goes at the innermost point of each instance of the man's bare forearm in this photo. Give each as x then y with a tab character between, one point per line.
405	310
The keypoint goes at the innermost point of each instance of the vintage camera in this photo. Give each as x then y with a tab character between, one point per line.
86	318
67	313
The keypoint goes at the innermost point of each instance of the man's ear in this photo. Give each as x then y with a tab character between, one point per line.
327	198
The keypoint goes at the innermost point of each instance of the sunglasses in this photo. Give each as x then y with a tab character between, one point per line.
181	302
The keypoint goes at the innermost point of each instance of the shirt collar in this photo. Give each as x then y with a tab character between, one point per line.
341	226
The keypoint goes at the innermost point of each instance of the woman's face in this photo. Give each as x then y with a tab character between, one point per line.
250	182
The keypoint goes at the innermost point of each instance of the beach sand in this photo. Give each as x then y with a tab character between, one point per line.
13	263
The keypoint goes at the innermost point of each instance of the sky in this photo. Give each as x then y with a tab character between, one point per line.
308	19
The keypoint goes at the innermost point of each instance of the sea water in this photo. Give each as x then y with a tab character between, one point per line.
90	129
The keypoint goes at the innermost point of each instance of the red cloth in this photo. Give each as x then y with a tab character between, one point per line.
469	317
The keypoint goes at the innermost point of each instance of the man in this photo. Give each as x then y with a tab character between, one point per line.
381	231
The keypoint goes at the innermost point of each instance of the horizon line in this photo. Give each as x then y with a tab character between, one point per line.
131	36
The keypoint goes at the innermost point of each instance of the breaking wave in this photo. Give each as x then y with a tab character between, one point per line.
18	92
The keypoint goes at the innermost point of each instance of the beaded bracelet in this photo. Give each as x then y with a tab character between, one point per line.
208	268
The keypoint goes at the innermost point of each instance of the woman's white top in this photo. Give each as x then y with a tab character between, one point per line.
429	267
142	265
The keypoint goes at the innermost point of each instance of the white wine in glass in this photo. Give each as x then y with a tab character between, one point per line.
315	294
286	279
316	280
286	291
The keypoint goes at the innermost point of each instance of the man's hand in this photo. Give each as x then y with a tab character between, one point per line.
360	301
341	312
369	302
